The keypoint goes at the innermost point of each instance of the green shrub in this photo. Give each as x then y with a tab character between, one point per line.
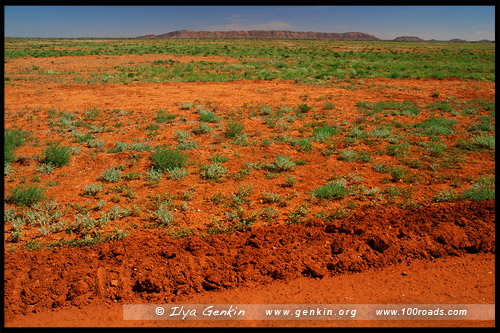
357	133
440	105
329	106
485	141
182	136
218	159
83	138
187	145
140	146
465	144
178	173
397	173
164	215
380	133
212	171
365	157
436	148
111	175
92	189
270	197
398	150
484	126
436	126
114	213
119	147
97	144
265	110
202	129
348	155
303	145
132	176
332	190
304	108
380	167
57	155
234	130
208	116
45	168
322	134
165	159
290	180
163	117
13	139
297	215
153	176
268	214
184	141
482	189
25	195
282	163
445	195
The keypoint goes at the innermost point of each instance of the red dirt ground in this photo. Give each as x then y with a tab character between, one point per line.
357	261
379	254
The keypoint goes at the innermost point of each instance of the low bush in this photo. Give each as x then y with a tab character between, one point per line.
25	195
56	155
165	159
234	130
212	171
13	139
111	175
332	190
282	163
323	133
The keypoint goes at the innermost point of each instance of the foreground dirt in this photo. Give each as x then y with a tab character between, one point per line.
447	260
453	280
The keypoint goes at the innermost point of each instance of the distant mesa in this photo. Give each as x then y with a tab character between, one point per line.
292	35
262	34
408	39
456	40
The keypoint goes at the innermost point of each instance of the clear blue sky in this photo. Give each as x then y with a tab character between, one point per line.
385	22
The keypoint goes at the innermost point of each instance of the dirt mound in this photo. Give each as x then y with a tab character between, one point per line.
151	267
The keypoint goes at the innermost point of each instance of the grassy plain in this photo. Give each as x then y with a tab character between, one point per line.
375	122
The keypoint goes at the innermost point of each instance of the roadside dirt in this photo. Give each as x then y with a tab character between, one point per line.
149	268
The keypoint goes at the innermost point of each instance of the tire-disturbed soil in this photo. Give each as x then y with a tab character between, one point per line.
147	268
403	251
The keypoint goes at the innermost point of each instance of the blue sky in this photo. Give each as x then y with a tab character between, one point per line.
385	22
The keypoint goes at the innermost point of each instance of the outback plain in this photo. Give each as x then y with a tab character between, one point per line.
246	171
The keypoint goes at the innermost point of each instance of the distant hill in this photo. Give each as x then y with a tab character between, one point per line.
418	39
262	34
407	39
283	35
456	40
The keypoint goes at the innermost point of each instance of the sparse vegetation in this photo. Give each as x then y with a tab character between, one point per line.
332	190
212	171
234	130
166	159
56	155
255	156
26	195
111	175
